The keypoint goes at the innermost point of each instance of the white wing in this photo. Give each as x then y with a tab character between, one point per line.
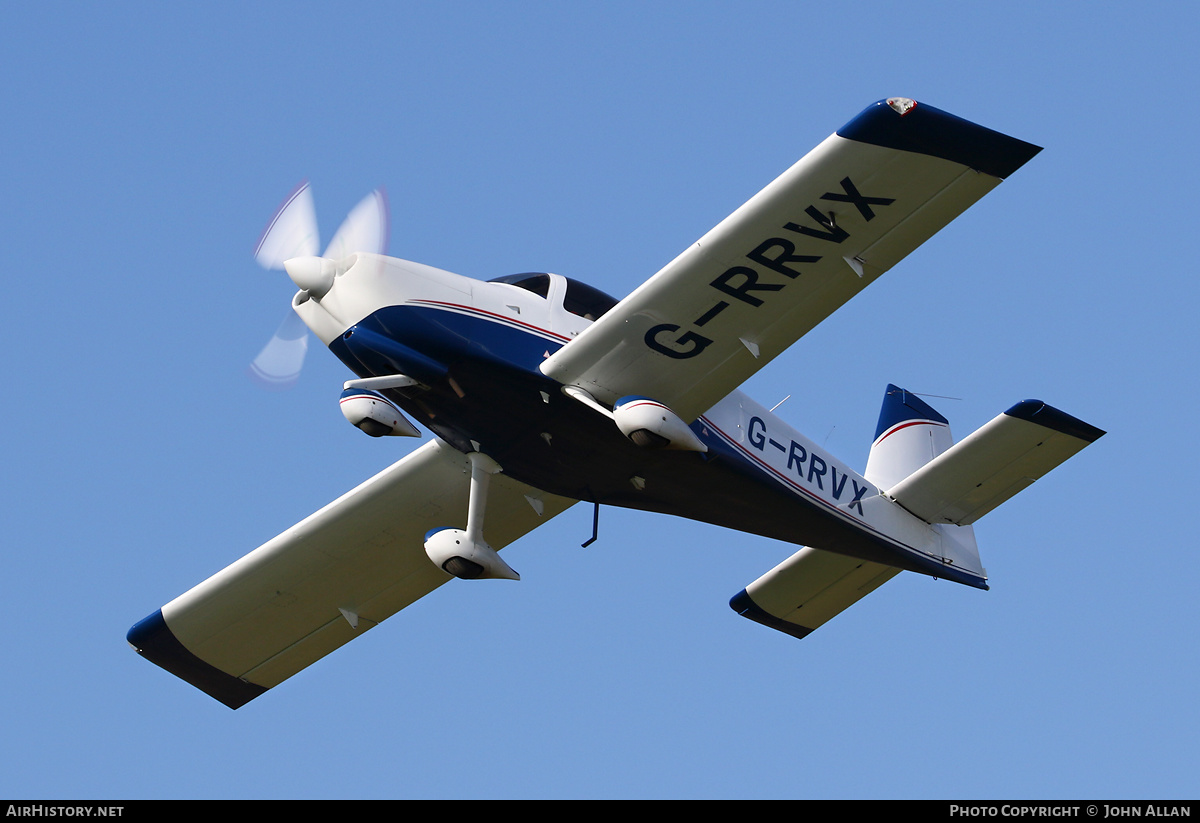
808	589
787	259
1007	455
329	578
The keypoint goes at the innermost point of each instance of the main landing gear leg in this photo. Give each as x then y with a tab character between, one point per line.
466	554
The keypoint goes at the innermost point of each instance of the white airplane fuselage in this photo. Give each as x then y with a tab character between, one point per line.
474	348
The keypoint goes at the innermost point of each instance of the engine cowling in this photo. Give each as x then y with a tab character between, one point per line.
375	414
652	425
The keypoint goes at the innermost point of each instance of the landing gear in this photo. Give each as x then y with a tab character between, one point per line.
465	554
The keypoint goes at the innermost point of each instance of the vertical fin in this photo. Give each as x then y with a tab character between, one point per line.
910	434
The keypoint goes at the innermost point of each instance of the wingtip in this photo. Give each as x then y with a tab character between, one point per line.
923	129
746	607
153	639
1035	411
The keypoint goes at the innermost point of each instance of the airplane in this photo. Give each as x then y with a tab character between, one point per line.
542	391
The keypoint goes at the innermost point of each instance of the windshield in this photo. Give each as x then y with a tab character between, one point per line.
581	299
536	282
585	301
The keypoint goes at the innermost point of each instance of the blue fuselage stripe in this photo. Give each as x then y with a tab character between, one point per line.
497	397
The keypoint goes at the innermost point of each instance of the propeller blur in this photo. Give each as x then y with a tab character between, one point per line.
292	234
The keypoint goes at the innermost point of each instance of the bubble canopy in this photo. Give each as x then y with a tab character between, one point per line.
580	298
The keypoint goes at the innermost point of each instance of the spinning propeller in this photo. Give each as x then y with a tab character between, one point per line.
292	237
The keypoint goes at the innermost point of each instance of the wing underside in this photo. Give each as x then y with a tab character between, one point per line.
1007	455
331	577
808	589
787	259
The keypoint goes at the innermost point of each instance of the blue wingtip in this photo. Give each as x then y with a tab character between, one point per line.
1035	411
153	639
746	607
924	129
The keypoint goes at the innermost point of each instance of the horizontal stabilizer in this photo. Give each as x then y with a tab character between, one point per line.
1003	457
808	589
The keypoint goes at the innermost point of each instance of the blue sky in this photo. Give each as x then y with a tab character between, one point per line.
146	145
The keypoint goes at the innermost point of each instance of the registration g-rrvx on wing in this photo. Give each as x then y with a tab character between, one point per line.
542	391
